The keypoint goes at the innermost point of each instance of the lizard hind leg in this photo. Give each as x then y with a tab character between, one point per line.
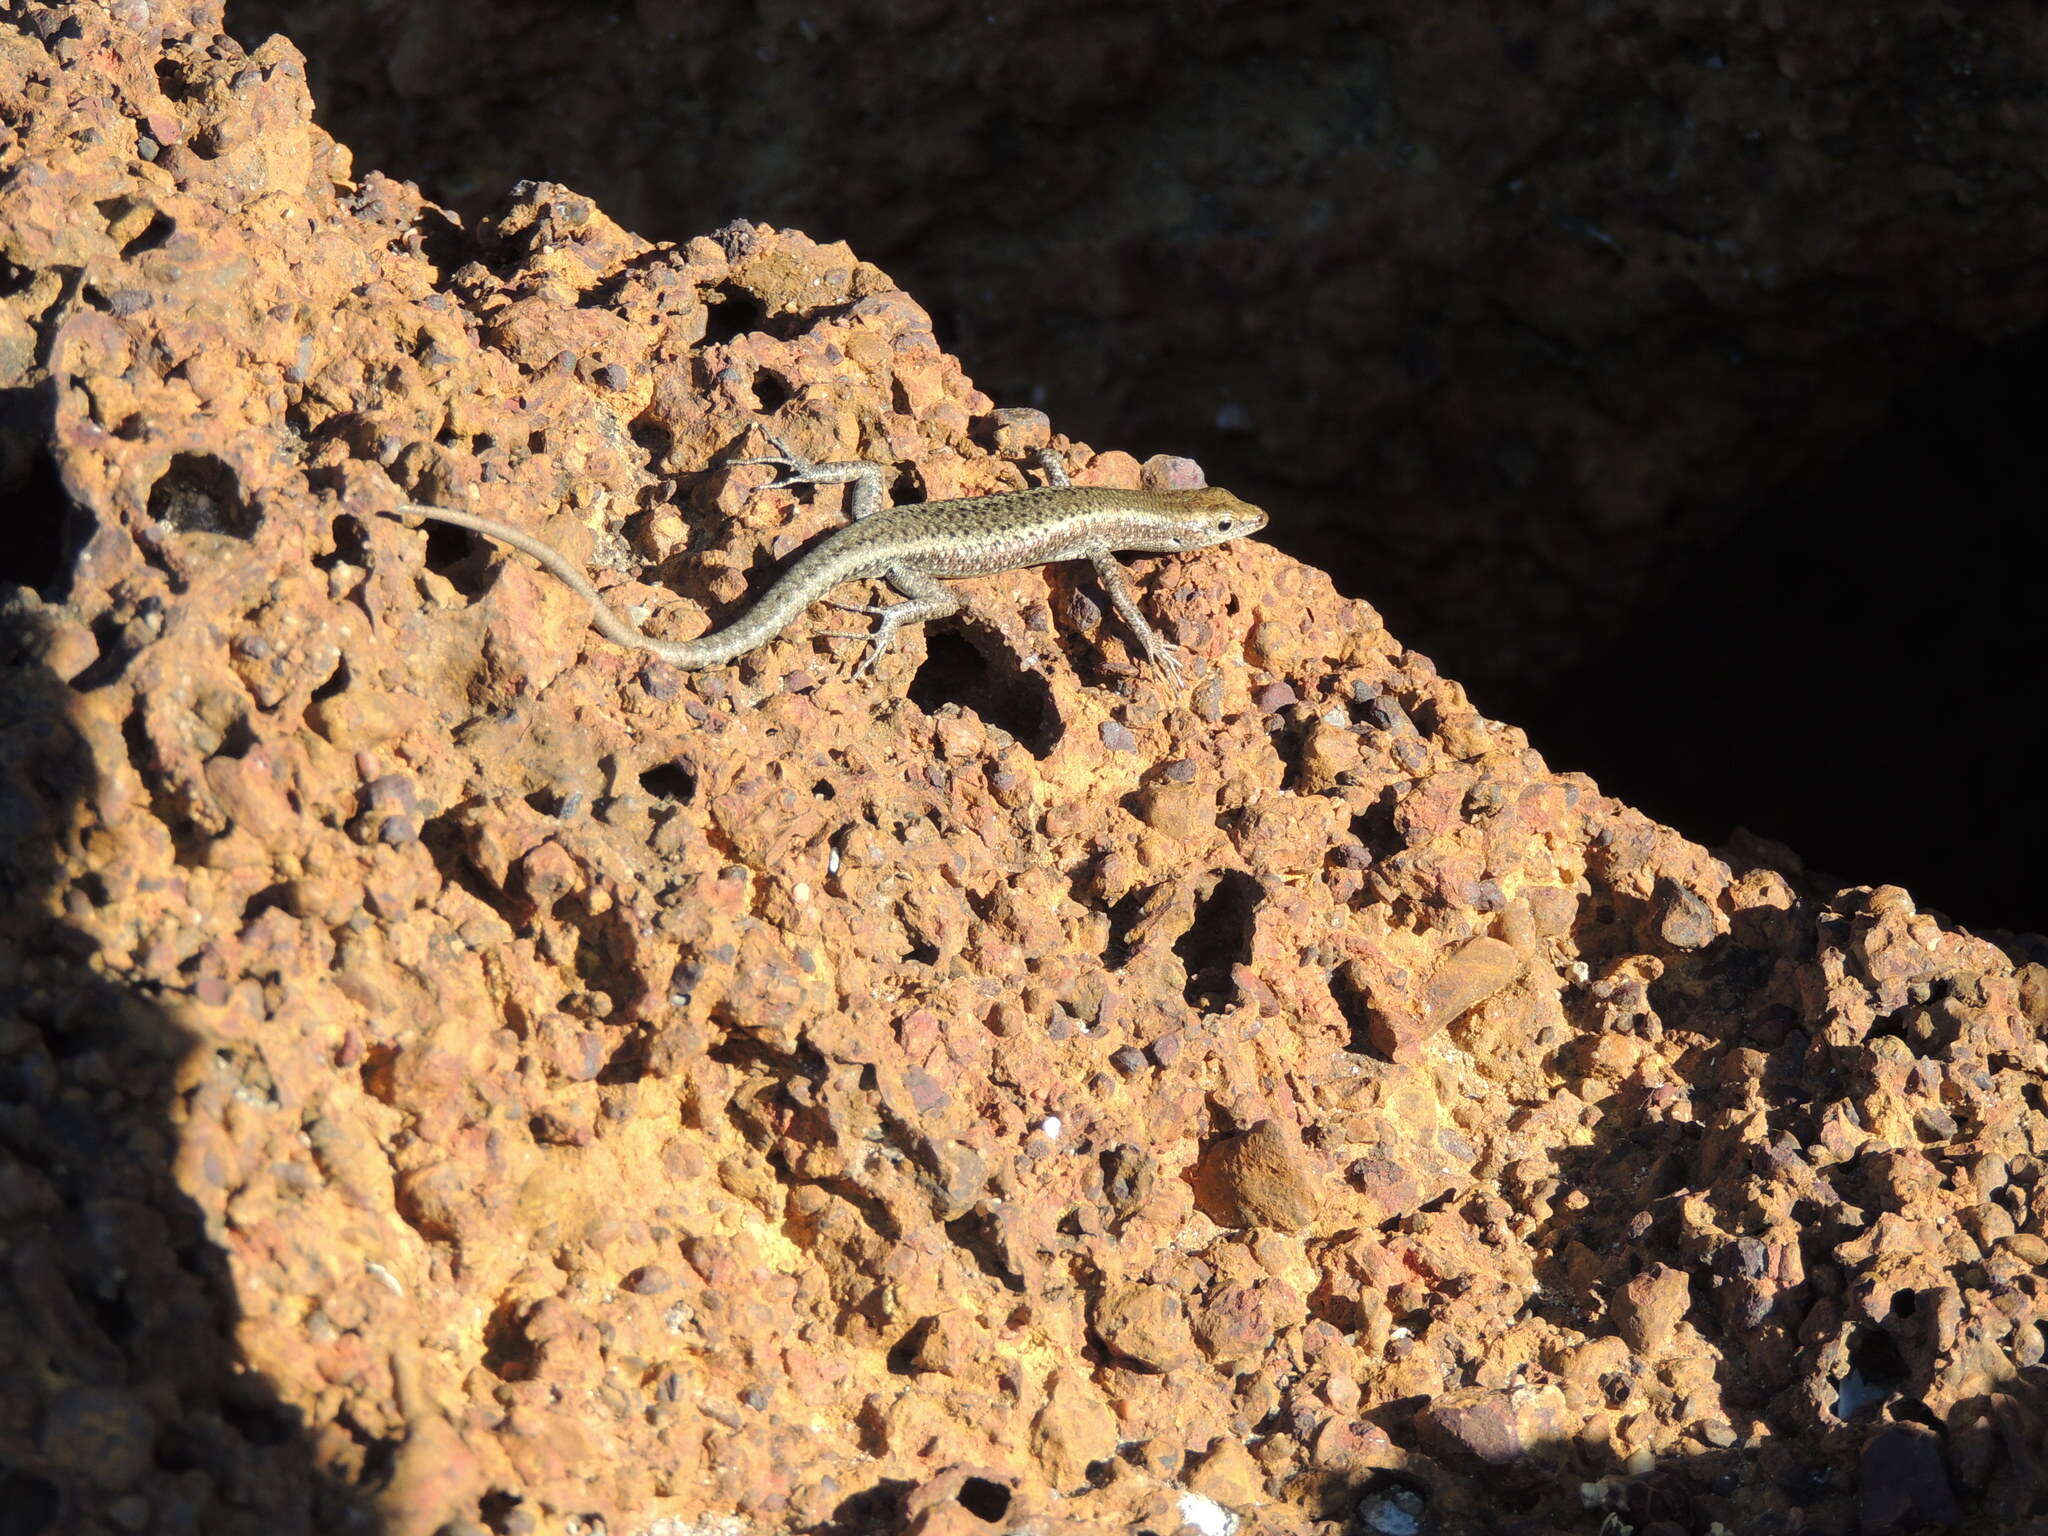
926	598
1054	471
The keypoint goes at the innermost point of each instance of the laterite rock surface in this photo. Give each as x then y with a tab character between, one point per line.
459	1075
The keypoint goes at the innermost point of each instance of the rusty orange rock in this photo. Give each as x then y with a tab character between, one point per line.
751	1099
1258	1178
1146	1324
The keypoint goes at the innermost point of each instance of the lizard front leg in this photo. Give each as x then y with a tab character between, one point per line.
870	482
1116	582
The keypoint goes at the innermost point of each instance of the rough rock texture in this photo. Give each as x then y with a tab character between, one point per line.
458	1075
1519	303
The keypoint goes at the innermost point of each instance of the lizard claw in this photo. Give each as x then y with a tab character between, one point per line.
796	469
866	664
1165	656
878	638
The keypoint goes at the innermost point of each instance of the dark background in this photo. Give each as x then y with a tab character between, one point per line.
1669	379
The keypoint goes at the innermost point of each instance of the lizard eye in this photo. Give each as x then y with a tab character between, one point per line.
1223	525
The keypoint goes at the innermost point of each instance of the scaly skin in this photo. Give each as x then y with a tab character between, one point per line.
913	546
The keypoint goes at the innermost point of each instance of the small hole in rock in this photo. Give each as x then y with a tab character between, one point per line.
1374	826
43	528
955	672
239	739
670	781
1392	1505
1123	921
508	1354
1876	1370
1355	1009
1219	938
984	1498
199	493
732	312
459	557
350	547
654	441
497	1508
171	79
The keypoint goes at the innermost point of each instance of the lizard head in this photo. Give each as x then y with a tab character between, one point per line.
1208	516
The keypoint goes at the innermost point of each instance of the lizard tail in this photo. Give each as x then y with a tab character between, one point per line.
610	622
